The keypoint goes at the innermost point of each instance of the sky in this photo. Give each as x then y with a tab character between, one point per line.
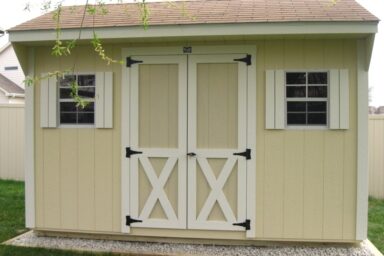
12	13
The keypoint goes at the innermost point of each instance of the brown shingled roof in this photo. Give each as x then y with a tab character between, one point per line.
9	86
208	11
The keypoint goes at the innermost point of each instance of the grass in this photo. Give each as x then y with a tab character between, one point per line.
376	223
12	223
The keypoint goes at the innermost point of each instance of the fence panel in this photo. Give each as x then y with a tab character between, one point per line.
376	155
12	142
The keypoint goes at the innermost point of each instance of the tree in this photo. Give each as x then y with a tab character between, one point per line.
64	48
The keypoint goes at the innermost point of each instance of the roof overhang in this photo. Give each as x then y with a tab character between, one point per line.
12	95
201	30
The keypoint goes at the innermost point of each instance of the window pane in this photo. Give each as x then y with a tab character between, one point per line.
87	92
320	106
66	81
68	107
296	91
317	118
294	106
85	118
86	80
296	78
90	107
68	118
318	78
294	118
65	93
317	91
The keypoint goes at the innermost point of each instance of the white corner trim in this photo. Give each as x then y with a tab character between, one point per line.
193	30
362	142
29	146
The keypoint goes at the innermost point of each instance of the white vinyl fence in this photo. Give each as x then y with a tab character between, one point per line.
376	155
12	142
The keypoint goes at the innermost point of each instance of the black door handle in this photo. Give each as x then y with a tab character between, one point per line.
191	154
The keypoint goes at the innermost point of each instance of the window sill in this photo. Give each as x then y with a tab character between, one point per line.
311	128
75	126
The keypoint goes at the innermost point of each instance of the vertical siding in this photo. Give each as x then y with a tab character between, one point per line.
12	142
306	179
376	152
78	170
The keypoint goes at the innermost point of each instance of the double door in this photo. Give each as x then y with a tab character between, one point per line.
188	142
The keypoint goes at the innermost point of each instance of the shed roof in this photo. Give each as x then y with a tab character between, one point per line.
9	86
207	12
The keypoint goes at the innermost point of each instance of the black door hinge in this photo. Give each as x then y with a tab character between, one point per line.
246	154
246	224
129	152
129	220
247	59
131	61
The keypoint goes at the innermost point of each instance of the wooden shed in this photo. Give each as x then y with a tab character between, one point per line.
241	120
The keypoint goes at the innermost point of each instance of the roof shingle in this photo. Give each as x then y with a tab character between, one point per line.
9	86
207	11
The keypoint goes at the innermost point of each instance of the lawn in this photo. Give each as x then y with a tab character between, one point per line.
12	222
376	223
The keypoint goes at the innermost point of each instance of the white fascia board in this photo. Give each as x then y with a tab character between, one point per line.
170	31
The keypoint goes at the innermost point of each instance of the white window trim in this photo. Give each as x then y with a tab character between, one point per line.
305	99
72	126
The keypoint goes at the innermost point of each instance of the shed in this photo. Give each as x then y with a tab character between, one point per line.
230	120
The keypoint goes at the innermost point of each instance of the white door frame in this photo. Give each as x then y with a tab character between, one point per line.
251	120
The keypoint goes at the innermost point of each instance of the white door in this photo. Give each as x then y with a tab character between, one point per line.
188	142
217	128
158	147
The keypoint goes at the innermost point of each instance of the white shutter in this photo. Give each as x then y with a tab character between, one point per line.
344	99
279	99
339	99
108	100
270	100
99	100
104	100
48	102
275	100
334	98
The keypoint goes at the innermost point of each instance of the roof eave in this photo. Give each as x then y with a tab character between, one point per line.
194	30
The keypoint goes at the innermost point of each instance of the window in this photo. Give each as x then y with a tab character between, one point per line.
11	68
306	98
69	112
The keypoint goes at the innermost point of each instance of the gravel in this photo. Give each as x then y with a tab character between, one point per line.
30	239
